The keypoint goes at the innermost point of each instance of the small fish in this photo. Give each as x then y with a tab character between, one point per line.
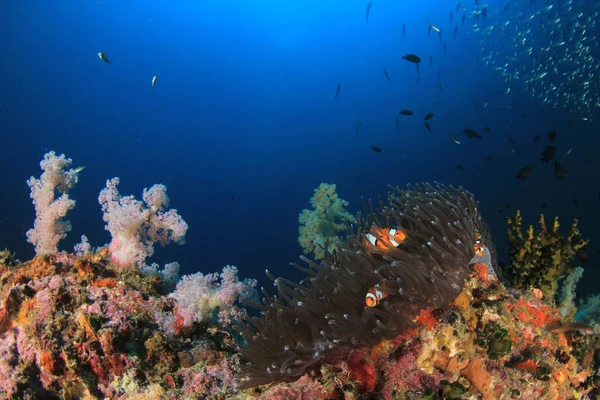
551	136
445	50
567	153
574	326
102	55
406	112
154	81
387	76
397	126
435	28
412	58
384	238
376	149
79	169
471	133
232	196
536	139
510	139
357	127
337	90
455	140
489	158
487	128
428	116
464	16
460	167
403	30
451	15
511	151
369	10
374	296
559	171
548	153
427	126
525	172
430	60
505	7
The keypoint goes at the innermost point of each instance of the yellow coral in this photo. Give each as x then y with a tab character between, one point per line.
322	225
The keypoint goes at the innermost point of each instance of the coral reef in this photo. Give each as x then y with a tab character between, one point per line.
541	258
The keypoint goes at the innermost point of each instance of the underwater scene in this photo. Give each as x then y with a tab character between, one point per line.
300	200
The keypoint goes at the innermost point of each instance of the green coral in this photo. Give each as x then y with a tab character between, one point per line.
322	225
541	258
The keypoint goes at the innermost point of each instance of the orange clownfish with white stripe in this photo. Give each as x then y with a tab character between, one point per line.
374	296
384	238
478	247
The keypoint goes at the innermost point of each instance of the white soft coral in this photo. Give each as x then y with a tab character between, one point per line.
135	225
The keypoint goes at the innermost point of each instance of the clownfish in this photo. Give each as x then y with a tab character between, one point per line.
374	296
384	238
478	247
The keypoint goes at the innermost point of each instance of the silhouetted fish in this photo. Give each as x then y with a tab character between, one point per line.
357	127
548	153
559	171
403	30
387	76
337	90
525	172
412	58
551	136
368	10
376	149
406	112
428	116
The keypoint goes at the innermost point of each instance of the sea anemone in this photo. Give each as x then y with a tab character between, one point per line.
326	313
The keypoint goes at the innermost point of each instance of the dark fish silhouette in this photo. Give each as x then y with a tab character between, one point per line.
427	126
548	153
536	139
368	10
430	60
357	127
551	136
460	167
489	158
471	133
376	149
232	196
451	15
455	31
403	30
444	49
486	129
428	116
412	58
525	172
387	76
337	90
505	7
559	171
406	112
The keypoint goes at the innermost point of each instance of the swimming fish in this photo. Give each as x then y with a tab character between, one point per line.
154	81
525	172
455	140
559	171
102	55
368	10
412	58
376	149
357	127
551	136
79	169
435	28
547	153
384	238
387	76
403	30
406	112
567	153
427	126
374	296
337	90
428	116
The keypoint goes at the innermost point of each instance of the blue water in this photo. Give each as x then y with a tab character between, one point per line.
244	106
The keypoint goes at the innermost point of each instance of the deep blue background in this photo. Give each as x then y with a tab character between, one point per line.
244	105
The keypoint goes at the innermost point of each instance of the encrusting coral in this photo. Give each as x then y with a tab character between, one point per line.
541	258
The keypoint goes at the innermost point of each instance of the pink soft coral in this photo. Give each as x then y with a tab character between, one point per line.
49	227
136	226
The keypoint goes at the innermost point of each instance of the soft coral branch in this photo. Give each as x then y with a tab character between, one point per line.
49	227
135	225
